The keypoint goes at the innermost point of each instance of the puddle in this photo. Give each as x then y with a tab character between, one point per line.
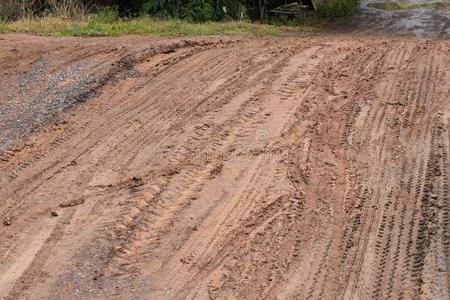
409	5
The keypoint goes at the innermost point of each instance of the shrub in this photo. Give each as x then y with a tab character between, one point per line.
194	10
13	9
67	8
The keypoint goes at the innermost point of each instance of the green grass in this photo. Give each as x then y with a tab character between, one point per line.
410	6
3	27
111	26
336	9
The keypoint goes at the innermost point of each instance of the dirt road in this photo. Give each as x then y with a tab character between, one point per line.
293	168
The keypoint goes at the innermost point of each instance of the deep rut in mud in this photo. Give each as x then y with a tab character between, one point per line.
298	168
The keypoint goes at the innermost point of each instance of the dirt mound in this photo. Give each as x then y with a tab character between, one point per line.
308	167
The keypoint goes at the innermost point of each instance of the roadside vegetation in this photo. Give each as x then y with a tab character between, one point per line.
410	6
163	17
57	26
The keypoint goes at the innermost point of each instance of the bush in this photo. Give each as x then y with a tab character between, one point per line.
189	10
67	8
14	9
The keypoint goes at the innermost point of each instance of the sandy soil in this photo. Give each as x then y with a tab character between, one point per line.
293	168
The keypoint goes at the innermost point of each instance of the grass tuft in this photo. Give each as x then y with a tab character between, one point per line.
410	6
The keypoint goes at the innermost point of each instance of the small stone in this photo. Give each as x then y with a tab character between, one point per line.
7	221
72	202
54	214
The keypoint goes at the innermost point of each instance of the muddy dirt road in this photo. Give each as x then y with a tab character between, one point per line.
293	168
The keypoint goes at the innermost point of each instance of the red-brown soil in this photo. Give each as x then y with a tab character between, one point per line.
313	167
